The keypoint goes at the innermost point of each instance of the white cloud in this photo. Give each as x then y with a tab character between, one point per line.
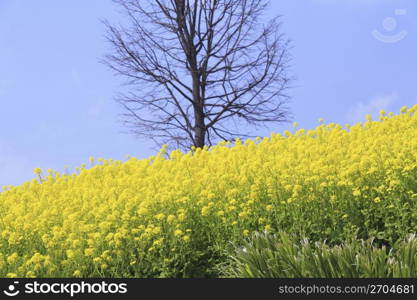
358	113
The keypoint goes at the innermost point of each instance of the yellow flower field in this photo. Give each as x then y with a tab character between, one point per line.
175	215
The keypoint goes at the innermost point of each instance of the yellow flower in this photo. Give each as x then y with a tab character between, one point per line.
70	254
156	230
181	217
97	260
89	251
243	214
115	211
158	243
160	217
12	258
205	210
178	232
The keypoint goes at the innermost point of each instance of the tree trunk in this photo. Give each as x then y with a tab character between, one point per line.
200	134
200	128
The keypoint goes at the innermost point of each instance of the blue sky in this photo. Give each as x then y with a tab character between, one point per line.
350	57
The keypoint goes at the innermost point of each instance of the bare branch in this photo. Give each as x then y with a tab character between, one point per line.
196	67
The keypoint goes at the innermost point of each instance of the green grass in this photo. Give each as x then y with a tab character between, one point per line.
283	256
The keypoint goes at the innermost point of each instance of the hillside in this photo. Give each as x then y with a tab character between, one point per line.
177	214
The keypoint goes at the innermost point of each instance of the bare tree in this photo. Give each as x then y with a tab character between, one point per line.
197	67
